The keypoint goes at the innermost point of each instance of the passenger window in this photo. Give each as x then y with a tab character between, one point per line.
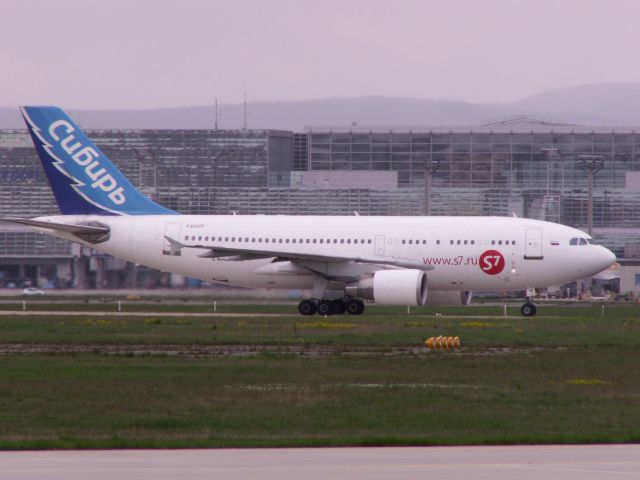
493	242
473	242
437	242
403	242
465	242
458	242
369	241
499	242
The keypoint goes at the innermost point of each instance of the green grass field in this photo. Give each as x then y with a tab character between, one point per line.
568	375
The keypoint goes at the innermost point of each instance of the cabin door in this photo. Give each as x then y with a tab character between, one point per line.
533	244
379	246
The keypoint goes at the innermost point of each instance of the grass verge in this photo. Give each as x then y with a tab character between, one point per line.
93	401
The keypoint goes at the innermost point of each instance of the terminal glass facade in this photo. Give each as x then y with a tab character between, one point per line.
537	173
534	170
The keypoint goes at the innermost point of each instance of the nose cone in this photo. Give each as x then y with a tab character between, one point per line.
603	259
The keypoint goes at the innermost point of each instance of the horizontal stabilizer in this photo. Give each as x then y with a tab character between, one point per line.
60	227
174	246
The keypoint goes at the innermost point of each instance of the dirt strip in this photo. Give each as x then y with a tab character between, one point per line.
213	351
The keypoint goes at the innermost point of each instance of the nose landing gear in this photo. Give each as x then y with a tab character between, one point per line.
528	309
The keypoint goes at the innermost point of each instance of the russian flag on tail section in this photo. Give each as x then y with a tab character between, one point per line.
83	179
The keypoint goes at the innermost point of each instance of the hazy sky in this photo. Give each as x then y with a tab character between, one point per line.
154	53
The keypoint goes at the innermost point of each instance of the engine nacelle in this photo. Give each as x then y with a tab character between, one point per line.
392	287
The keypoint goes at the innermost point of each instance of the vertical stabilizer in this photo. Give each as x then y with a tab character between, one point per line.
83	179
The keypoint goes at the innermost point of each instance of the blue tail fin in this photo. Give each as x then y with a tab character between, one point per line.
83	179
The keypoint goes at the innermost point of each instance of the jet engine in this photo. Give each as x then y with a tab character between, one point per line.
392	287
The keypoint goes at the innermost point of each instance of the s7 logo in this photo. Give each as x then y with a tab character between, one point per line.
491	262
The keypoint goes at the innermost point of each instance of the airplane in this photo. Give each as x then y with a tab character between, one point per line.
340	260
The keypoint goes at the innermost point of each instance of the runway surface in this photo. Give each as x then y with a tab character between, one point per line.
398	463
98	313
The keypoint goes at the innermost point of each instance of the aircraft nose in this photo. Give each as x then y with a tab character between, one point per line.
606	258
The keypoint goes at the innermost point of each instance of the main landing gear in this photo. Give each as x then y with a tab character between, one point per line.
352	306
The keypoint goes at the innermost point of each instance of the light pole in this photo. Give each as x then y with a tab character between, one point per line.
550	153
591	164
430	167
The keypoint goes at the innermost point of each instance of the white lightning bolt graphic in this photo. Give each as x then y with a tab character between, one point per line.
59	164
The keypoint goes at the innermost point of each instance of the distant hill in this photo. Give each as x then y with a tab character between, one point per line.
603	104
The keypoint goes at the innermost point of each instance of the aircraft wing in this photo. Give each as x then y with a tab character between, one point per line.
251	253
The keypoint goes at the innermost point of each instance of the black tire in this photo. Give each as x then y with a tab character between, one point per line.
307	307
339	307
325	307
528	310
355	307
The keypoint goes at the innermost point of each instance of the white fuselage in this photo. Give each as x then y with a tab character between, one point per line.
466	253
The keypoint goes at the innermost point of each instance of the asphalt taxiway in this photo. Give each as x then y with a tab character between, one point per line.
399	463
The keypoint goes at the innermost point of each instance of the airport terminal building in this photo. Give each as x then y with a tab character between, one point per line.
520	166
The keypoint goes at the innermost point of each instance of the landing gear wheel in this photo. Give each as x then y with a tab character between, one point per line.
325	307
339	307
355	307
307	307
528	309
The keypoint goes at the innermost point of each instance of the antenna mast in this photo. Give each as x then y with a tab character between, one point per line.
244	105
216	115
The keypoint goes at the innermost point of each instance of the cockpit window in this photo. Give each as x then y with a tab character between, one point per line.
591	241
578	241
